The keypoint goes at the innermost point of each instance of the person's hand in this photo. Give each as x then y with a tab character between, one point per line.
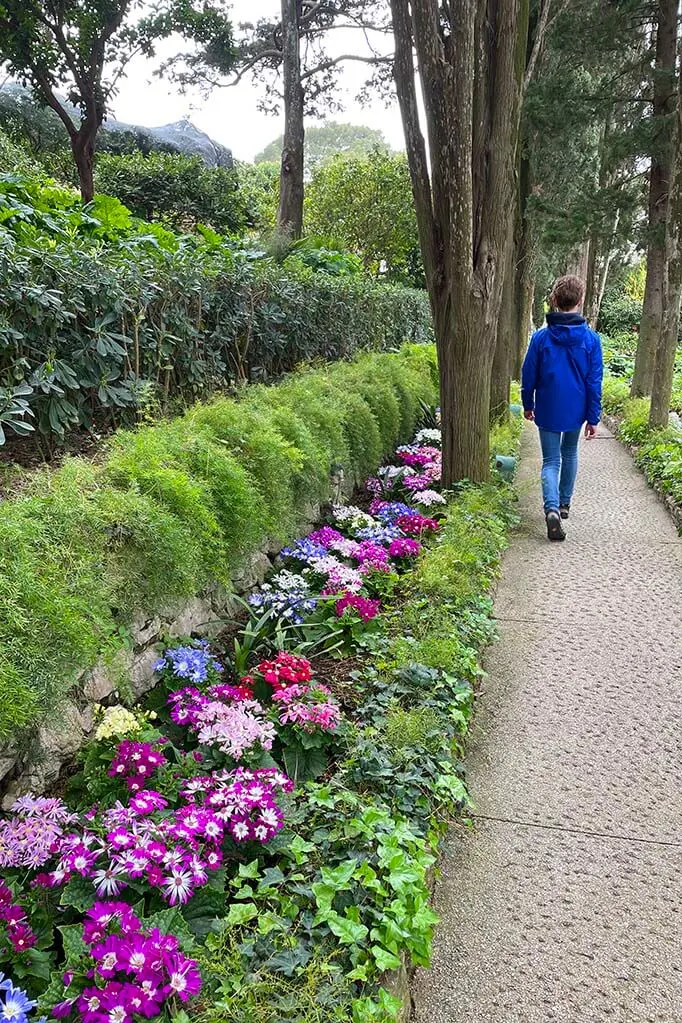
590	431
529	415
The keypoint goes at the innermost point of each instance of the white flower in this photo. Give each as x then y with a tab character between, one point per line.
428	436
428	497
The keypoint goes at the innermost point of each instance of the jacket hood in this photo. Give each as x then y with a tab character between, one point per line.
568	329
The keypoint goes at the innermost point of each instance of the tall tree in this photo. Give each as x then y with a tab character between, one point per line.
470	59
664	366
659	189
66	44
290	56
291	186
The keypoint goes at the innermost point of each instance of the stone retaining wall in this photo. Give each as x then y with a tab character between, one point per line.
38	764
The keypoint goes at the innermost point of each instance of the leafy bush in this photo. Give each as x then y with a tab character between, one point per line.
365	204
173	507
178	190
619	313
100	332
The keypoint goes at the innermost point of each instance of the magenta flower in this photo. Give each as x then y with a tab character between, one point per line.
365	608
405	547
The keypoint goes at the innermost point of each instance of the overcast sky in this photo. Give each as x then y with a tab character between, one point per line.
231	116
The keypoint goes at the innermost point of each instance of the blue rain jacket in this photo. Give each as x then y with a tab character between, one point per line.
562	374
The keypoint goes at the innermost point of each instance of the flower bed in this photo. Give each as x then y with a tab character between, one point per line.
254	843
177	510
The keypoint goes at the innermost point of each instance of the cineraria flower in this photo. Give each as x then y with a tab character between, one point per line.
233	725
337	575
378	534
134	972
146	802
389	512
418	456
428	498
350	516
416	525
194	663
308	706
363	606
14	1002
304	550
117	722
29	838
404	548
325	536
288	595
428	437
285	670
135	762
418	481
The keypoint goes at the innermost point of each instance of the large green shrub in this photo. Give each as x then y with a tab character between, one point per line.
105	316
176	189
171	508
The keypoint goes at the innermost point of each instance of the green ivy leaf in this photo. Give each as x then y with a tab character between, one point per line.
347	931
240	914
384	959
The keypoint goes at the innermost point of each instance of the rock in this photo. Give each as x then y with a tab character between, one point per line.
144	629
252	572
142	676
196	616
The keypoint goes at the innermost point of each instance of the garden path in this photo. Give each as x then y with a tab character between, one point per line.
564	902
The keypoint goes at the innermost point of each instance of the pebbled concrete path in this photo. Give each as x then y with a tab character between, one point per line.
565	902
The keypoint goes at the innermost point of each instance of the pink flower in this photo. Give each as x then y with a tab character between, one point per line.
184	979
404	548
363	606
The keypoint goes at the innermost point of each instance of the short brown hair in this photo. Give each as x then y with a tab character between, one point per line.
567	293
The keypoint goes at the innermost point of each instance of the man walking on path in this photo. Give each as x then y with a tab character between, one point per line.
561	390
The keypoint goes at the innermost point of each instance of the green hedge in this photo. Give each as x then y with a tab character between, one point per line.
174	507
106	317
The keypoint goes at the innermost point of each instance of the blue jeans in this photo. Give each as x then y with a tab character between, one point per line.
559	467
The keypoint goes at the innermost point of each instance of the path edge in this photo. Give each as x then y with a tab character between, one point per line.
674	508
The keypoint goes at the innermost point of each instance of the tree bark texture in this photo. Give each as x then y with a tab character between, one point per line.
664	362
500	377
290	212
471	82
659	187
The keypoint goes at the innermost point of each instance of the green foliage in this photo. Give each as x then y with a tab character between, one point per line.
259	187
620	314
179	191
365	204
173	507
105	315
328	141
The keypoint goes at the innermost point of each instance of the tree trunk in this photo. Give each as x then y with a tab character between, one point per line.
506	343
592	280
523	267
538	307
664	367
290	213
576	264
83	150
659	186
464	369
664	370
